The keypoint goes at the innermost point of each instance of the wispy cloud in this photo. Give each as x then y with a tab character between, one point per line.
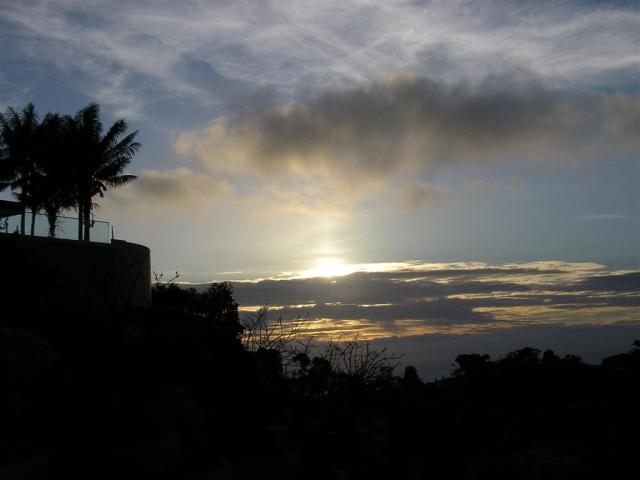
604	216
149	44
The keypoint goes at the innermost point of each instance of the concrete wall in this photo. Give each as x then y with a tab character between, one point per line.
92	276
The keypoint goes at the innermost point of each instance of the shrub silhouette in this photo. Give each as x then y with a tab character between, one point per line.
169	391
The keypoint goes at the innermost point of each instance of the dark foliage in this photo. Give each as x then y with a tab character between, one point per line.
216	305
169	391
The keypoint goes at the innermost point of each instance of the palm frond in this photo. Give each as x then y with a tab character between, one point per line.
111	138
120	180
126	149
89	121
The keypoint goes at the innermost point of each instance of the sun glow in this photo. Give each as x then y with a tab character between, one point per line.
330	267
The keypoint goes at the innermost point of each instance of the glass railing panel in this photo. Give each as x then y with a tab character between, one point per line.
66	227
10	224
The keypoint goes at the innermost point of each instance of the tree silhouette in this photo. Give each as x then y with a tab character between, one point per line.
62	162
19	154
56	189
97	160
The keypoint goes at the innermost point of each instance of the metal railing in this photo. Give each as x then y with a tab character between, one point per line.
66	227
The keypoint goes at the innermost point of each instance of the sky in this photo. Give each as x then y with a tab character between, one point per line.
305	142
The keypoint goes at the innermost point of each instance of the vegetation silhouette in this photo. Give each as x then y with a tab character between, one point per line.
186	388
19	156
176	390
63	161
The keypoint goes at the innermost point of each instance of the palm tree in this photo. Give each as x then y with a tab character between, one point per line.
98	160
62	162
19	154
56	189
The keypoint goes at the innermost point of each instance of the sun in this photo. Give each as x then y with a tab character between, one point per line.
330	267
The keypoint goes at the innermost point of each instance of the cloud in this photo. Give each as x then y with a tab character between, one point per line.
407	125
475	85
407	121
180	190
282	198
302	46
604	216
418	194
412	298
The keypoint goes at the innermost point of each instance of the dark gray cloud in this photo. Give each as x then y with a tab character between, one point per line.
180	189
406	124
399	286
437	312
364	288
624	282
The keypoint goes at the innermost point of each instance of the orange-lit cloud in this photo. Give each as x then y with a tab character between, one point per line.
416	298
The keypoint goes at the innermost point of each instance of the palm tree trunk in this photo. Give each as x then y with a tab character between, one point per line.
33	222
80	217
22	221
51	218
87	222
